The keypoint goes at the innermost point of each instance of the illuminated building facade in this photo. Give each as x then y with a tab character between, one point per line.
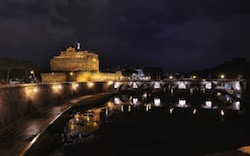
72	60
79	66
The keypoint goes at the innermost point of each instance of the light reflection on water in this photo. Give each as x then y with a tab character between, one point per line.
83	125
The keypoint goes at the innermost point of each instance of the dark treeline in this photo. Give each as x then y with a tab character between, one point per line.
231	69
235	68
11	69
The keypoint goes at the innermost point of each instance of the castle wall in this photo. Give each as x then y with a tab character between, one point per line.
53	77
81	77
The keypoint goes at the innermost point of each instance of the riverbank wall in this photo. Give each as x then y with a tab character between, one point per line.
20	100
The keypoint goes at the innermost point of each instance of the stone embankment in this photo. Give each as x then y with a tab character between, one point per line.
20	100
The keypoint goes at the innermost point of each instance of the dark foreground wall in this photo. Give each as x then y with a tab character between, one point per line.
17	101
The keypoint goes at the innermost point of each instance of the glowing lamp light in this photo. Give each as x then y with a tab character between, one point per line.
116	100
116	85
222	113
208	104
35	90
74	86
208	85
30	91
194	111
90	84
122	110
135	100
110	104
237	105
57	87
110	83
171	110
157	102
71	73
237	86
182	85
171	77
156	85
129	108
148	107
134	85
95	124
54	87
182	103
222	76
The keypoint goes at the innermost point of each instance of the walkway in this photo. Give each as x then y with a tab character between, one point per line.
17	138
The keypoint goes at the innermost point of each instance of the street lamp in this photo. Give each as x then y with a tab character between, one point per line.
222	76
32	72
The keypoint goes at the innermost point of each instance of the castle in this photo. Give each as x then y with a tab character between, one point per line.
77	65
72	60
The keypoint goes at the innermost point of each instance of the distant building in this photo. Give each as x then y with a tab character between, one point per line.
79	66
140	75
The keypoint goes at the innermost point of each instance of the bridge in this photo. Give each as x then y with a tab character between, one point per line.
232	86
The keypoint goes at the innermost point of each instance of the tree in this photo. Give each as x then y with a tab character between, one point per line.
30	66
154	72
8	64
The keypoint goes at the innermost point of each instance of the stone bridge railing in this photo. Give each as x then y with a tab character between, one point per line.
184	84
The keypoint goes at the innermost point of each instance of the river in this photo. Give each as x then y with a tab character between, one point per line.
158	124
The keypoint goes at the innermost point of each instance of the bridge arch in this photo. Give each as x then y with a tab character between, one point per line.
124	87
145	86
124	97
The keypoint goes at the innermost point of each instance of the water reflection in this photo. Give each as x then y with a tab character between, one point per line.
218	101
83	123
194	111
208	104
82	127
148	107
182	103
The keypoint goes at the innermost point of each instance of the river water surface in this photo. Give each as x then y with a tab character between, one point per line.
148	124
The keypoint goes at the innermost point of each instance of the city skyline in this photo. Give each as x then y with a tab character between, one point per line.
173	35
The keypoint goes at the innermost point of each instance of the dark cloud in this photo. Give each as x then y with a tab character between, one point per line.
175	35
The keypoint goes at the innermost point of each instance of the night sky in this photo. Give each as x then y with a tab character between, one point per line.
176	35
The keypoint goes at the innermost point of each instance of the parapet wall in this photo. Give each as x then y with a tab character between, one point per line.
17	101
